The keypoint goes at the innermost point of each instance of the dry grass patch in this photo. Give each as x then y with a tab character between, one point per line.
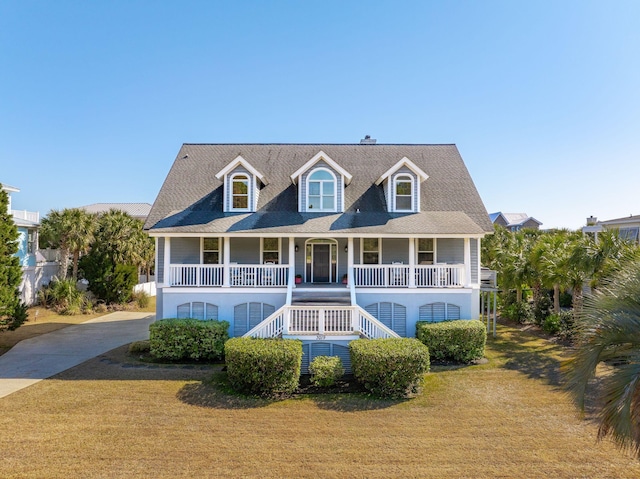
112	417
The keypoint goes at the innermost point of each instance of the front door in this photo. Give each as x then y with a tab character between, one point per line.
321	263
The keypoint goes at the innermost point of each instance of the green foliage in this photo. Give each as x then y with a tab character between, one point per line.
179	339
391	367
566	300
141	299
520	312
138	347
325	370
263	367
112	283
561	325
462	341
63	296
16	319
542	308
10	271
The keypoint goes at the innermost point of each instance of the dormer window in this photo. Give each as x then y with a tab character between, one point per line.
321	190
240	192
404	193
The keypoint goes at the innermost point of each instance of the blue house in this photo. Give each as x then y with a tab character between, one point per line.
320	242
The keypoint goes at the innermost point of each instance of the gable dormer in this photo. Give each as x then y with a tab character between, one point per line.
241	186
401	185
321	183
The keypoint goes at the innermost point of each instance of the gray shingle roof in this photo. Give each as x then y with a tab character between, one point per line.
190	200
137	210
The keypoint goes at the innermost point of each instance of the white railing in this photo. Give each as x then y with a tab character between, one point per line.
321	321
398	276
208	275
26	215
259	275
195	275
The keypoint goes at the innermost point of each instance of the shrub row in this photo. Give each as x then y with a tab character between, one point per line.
325	370
263	367
460	341
176	339
389	367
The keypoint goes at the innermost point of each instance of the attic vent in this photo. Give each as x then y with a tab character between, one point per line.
367	140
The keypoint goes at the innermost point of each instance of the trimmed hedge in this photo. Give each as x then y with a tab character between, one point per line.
461	340
325	370
178	339
391	367
263	367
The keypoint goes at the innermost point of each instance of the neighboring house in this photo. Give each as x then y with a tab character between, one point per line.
37	270
628	227
514	221
136	210
238	225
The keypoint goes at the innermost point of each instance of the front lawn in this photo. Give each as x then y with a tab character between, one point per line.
115	417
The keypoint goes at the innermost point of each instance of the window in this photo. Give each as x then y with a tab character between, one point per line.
426	251
198	310
210	250
629	234
271	250
321	193
370	251
404	193
240	192
31	239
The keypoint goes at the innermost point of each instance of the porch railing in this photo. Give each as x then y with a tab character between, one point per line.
211	275
321	321
398	276
26	215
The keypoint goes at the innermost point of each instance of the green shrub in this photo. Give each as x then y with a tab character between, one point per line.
63	296
561	325
263	367
140	347
551	324
141	298
14	320
325	370
461	341
520	312
389	367
178	339
542	308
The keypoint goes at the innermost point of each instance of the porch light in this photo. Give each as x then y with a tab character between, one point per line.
296	248
346	248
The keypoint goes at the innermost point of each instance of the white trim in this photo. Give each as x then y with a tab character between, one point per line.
435	248
321	155
279	248
219	250
241	161
403	177
249	196
333	241
335	191
362	249
403	162
300	234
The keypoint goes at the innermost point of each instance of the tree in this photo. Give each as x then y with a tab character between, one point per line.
610	332
70	230
12	311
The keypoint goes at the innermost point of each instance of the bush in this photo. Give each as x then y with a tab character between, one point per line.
141	299
542	308
111	283
520	312
461	341
13	321
325	370
389	367
63	296
140	347
177	339
561	325
263	367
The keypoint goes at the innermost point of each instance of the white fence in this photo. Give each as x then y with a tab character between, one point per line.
149	288
33	278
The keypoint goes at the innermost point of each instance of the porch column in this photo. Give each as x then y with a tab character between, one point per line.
167	261
412	262
350	277
292	262
467	262
226	259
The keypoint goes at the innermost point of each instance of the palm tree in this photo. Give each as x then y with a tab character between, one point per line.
115	236
610	331
70	230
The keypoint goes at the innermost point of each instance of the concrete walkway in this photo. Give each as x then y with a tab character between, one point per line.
38	358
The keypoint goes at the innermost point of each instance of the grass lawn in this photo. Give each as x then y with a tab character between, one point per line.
42	320
114	417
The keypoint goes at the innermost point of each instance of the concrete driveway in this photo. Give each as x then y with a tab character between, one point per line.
38	358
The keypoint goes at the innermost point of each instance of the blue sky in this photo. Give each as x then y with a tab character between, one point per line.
542	98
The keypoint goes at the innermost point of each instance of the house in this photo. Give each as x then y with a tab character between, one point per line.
321	242
514	221
628	227
135	210
37	270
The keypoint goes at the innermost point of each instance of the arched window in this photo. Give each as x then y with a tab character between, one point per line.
403	193
321	191
240	192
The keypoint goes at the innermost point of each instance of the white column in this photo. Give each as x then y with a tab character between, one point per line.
292	261
167	261
350	277
156	261
467	262
412	262
226	259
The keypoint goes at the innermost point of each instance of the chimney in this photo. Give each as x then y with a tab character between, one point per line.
367	140
591	220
